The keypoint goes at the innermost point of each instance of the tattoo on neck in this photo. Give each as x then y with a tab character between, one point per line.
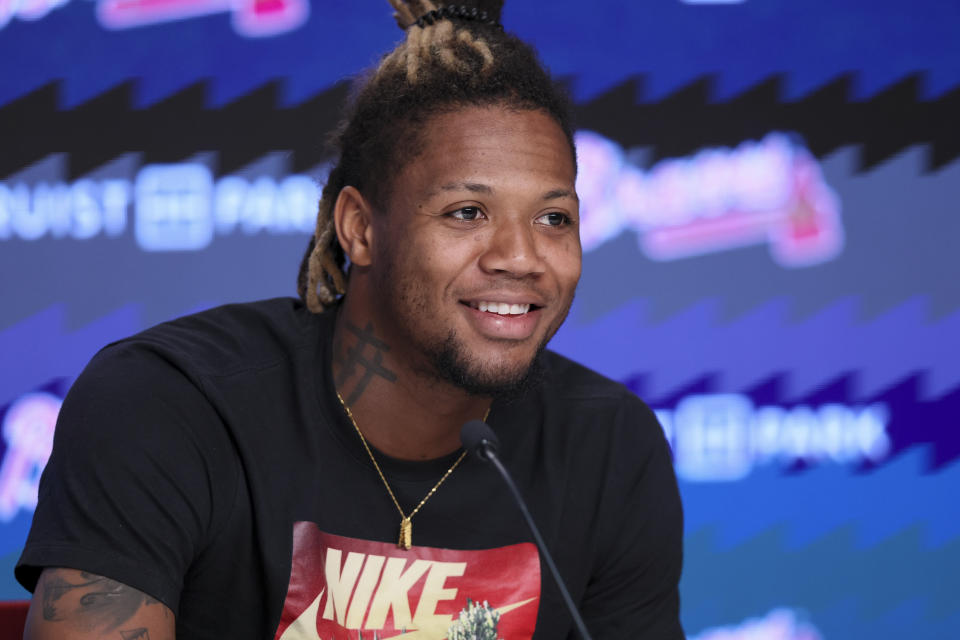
353	359
94	603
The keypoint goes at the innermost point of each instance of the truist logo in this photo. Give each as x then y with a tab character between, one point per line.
251	18
177	207
349	588
770	192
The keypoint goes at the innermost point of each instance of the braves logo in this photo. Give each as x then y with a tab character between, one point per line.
768	192
349	588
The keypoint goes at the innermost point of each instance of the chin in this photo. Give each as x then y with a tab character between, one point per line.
453	364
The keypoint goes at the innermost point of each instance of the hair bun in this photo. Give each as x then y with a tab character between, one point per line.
410	12
494	8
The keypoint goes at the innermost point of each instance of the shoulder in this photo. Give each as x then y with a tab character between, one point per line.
220	341
573	384
590	415
613	445
185	371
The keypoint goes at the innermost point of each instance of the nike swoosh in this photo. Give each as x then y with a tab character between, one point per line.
438	630
305	626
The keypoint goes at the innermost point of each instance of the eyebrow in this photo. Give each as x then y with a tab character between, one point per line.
477	187
561	193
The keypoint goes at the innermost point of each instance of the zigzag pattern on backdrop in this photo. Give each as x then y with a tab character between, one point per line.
182	124
672	41
41	348
169	130
933	421
828	118
765	342
892	588
873	506
676	41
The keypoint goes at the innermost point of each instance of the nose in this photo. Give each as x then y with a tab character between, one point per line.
512	249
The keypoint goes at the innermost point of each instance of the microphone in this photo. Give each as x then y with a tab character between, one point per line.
479	439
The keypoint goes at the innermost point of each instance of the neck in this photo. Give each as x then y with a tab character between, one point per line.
400	410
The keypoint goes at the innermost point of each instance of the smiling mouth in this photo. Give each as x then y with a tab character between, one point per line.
501	308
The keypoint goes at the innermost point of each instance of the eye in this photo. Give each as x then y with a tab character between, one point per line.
554	219
467	214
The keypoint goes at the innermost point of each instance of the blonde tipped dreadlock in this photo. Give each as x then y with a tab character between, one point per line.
433	39
402	13
452	56
322	265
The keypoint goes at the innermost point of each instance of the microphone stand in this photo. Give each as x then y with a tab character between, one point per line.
483	442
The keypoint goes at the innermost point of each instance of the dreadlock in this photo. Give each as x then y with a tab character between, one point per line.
453	56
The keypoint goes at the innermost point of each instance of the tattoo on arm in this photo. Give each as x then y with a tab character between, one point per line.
136	634
354	361
93	602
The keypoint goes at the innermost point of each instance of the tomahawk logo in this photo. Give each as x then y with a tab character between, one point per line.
349	588
251	18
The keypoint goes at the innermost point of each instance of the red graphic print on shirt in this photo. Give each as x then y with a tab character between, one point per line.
346	588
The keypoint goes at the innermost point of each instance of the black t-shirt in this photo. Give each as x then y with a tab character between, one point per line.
208	463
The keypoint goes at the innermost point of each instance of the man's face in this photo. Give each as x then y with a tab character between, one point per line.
477	256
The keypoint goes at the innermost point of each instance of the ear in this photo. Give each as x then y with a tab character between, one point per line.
353	217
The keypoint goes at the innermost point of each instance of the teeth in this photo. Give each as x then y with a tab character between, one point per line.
502	308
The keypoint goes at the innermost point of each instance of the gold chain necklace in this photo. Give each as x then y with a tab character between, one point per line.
406	521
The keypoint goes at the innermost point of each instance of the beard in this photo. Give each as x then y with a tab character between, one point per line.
449	362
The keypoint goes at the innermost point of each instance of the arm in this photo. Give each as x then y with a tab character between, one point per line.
75	605
129	493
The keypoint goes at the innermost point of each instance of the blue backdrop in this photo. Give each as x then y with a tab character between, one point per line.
770	215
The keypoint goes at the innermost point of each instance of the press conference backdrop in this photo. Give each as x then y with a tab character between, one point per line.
770	211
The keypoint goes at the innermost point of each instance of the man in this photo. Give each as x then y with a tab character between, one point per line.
293	470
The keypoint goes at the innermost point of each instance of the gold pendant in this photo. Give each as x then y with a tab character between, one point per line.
406	534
